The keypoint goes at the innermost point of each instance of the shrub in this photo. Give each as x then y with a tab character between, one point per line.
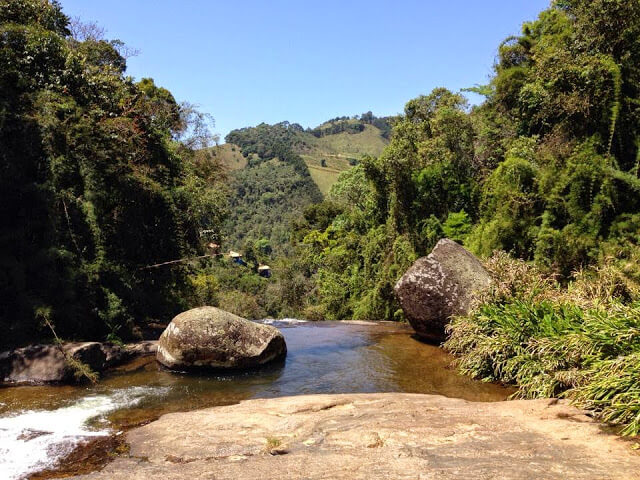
580	342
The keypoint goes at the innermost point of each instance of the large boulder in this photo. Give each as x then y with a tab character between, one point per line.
438	286
210	338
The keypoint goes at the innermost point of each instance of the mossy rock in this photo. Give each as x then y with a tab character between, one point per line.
207	338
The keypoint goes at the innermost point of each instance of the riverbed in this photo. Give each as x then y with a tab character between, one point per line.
41	425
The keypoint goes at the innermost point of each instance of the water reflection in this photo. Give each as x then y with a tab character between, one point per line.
327	357
416	367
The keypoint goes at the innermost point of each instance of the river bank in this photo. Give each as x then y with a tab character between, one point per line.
41	425
388	435
379	385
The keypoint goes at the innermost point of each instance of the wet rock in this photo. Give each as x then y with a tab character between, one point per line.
40	364
210	338
114	355
366	436
141	349
91	454
29	434
117	355
438	286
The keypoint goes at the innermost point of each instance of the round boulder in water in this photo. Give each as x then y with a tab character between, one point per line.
210	338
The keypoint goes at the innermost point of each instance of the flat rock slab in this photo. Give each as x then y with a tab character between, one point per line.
367	436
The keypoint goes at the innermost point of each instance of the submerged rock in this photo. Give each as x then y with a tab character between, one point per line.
438	286
210	338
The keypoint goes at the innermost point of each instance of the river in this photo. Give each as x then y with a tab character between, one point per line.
41	425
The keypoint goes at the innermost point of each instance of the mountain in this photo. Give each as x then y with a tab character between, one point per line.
276	171
327	150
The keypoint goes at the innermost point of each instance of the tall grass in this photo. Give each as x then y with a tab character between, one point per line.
580	341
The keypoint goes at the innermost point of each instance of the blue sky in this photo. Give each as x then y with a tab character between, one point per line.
251	61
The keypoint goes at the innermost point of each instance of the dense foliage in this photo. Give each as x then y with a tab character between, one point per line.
264	142
272	190
546	168
567	89
98	180
240	290
394	208
265	198
580	342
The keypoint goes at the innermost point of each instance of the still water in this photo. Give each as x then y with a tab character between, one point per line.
41	425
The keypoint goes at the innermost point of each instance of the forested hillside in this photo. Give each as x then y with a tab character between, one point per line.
275	172
546	168
288	168
272	189
328	149
101	176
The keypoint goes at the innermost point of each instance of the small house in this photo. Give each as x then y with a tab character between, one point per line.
264	271
213	249
237	258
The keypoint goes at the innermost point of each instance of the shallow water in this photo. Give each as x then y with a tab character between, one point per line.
40	425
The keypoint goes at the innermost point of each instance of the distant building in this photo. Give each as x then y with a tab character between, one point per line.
237	258
264	271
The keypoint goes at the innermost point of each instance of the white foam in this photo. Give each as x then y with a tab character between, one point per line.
65	428
290	321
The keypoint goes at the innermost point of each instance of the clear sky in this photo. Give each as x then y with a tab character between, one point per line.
252	61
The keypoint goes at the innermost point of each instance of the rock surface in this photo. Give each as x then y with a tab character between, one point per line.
366	436
210	338
39	364
46	363
438	286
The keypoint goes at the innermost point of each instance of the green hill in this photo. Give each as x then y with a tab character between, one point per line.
278	170
340	151
327	150
229	156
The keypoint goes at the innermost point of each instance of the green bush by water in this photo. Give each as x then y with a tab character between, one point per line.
556	342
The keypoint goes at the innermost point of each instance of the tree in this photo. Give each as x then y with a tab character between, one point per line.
95	184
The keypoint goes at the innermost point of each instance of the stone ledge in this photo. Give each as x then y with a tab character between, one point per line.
364	436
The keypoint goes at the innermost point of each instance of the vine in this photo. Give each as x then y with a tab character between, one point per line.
616	74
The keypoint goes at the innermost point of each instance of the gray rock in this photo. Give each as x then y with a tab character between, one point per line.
41	364
438	286
117	355
38	364
141	349
210	338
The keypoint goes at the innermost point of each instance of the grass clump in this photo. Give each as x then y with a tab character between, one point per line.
580	341
275	446
273	442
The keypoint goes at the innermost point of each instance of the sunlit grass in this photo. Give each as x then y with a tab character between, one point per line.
556	342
